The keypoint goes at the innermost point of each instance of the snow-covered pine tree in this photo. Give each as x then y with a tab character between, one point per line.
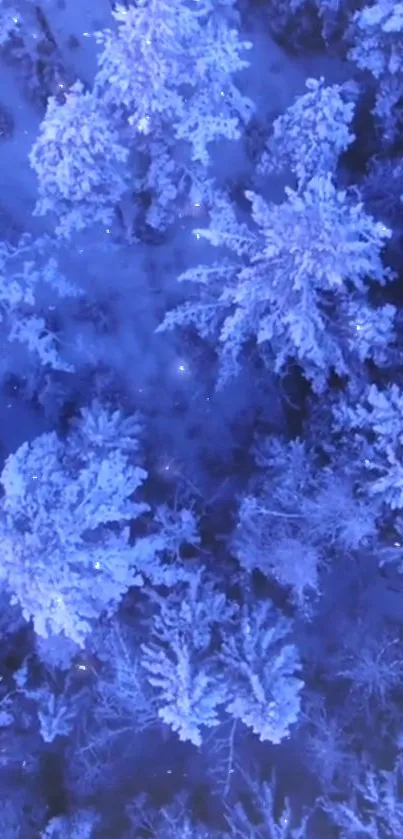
296	516
80	163
63	520
374	807
261	670
295	285
262	816
30	282
314	131
179	661
79	825
166	80
68	554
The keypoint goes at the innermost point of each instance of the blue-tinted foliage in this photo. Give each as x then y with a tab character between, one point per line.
376	423
179	660
378	48
262	666
310	136
201	616
79	162
62	561
295	284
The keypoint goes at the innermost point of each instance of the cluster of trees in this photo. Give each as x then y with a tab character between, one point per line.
184	656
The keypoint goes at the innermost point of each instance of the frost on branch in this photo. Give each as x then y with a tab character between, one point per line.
121	703
296	514
79	163
122	696
29	282
377	424
277	550
158	555
262	818
261	669
179	660
140	63
273	534
291	283
81	825
167	822
371	661
66	556
56	712
379	48
375	808
310	136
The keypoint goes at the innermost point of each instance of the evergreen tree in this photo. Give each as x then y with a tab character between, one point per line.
314	131
378	48
295	285
180	99
80	163
64	523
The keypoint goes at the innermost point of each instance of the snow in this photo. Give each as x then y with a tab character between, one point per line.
272	81
17	180
197	439
146	274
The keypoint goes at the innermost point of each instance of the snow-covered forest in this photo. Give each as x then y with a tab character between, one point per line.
201	423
